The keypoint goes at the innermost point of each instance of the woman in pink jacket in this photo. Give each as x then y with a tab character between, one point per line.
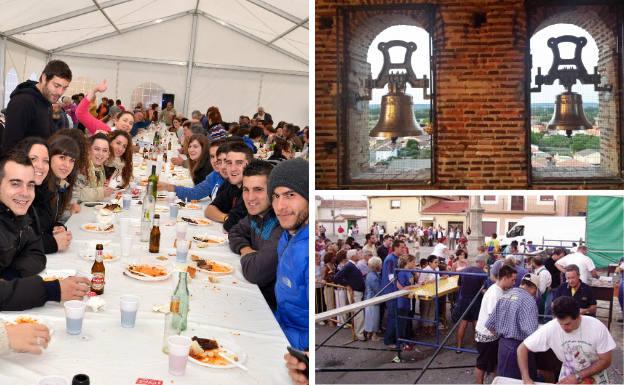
123	121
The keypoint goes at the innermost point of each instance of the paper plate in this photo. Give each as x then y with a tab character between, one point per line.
149	279
227	350
98	228
225	265
196	221
54	274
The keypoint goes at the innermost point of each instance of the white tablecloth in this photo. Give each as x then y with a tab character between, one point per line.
232	311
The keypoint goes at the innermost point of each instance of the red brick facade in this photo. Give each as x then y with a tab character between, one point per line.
481	136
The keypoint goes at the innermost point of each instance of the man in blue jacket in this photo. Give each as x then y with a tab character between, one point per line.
288	189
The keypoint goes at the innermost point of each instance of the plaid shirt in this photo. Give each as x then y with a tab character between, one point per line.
515	315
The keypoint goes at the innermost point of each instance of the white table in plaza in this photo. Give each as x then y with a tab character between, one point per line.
232	311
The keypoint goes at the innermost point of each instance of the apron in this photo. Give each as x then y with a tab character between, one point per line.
508	359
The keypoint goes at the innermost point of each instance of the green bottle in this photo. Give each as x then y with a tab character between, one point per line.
153	181
181	292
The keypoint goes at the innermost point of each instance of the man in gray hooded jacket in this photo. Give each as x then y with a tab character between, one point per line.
255	237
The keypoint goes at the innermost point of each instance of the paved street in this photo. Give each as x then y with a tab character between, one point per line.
452	368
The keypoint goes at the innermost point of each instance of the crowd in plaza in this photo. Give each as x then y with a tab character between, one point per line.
533	311
60	151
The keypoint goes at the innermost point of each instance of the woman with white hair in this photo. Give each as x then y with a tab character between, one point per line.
373	285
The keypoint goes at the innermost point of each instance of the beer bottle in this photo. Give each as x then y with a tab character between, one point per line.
98	271
154	241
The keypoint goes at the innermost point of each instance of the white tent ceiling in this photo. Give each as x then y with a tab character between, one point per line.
193	37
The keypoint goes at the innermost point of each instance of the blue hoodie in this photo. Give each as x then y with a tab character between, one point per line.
291	287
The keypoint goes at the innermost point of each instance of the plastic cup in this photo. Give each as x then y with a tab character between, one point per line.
124	224
129	305
53	380
181	228
179	347
173	211
126	245
182	249
74	315
171	196
127	201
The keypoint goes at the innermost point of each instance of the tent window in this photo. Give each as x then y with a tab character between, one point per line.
11	81
147	93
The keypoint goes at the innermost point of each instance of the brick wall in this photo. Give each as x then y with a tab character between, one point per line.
481	134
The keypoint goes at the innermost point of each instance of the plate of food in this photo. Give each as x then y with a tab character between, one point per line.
147	272
112	207
54	274
107	257
211	266
206	240
196	221
19	319
209	352
189	206
98	228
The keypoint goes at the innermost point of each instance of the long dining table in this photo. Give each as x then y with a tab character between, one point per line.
226	308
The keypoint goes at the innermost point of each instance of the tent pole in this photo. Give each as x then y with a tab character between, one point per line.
189	68
3	41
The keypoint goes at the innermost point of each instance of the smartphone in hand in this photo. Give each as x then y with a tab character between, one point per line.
301	356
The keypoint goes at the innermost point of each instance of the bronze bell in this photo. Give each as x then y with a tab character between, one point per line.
396	118
568	114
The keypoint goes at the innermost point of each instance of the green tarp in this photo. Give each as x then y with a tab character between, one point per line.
605	229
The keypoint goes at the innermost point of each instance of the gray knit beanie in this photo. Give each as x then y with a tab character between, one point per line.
293	174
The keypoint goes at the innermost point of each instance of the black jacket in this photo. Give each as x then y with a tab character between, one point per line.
45	220
261	234
200	174
21	258
350	275
229	200
29	113
267	117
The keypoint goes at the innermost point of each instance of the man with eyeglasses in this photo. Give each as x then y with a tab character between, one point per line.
228	206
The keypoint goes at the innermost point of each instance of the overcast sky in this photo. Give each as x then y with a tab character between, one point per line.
542	57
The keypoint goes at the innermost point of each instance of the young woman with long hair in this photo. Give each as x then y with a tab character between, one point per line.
118	167
199	158
92	185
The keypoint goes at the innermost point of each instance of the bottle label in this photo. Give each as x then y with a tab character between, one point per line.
97	282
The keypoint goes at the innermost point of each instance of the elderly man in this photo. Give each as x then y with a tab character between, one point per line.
350	275
577	289
262	116
513	319
582	343
167	114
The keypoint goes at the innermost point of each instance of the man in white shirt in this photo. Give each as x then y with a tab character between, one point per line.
585	264
440	250
545	280
582	343
487	342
